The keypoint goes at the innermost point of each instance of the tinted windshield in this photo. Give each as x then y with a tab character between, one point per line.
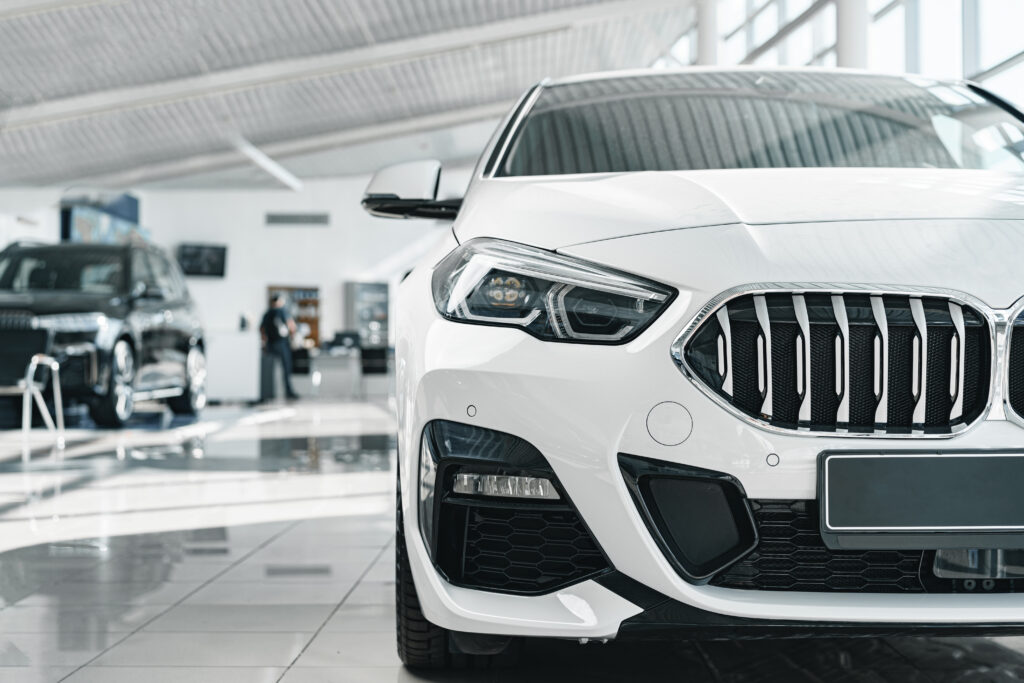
754	119
87	271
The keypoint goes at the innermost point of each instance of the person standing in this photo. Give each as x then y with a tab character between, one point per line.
276	330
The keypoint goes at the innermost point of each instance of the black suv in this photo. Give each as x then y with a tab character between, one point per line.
120	320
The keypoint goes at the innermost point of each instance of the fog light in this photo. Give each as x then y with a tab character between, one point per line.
502	486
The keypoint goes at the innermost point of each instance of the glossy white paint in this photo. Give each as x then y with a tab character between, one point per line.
580	406
409	180
702	232
558	211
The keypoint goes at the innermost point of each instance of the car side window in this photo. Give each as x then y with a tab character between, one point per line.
164	274
179	280
142	274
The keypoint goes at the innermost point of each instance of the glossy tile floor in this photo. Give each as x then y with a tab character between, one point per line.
257	545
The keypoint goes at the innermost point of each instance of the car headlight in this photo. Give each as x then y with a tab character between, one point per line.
553	297
71	322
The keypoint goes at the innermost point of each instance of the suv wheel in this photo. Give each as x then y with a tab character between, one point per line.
194	398
116	407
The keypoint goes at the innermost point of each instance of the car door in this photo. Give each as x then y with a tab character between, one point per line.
146	321
177	321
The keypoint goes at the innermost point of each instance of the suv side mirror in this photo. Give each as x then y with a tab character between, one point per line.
409	190
142	291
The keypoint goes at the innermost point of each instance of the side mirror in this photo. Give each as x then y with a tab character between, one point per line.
141	291
409	190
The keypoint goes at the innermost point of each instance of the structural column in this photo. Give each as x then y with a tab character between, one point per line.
852	19
707	32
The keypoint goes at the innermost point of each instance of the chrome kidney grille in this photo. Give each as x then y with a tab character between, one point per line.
862	363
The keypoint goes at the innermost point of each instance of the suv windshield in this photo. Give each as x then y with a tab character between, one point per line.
755	119
86	271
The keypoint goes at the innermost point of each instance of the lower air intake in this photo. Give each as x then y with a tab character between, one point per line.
791	556
699	518
527	551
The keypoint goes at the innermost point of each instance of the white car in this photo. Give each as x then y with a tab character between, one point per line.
715	353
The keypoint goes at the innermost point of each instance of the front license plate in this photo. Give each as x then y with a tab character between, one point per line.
923	500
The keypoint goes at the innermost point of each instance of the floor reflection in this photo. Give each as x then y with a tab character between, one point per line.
896	660
264	552
318	595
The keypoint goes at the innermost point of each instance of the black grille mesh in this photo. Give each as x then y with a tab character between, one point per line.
912	361
1016	366
525	549
790	556
786	400
901	359
862	377
824	331
976	367
746	392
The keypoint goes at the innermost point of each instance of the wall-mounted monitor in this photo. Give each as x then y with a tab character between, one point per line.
203	259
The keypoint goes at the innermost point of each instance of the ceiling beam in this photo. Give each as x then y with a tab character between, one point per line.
268	165
11	9
279	150
282	71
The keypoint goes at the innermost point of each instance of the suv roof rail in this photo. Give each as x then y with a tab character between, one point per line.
26	243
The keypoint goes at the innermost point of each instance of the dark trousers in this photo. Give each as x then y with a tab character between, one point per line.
282	351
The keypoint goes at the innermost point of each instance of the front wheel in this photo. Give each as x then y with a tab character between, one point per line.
115	408
194	399
421	644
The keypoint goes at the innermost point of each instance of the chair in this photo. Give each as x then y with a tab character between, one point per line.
22	353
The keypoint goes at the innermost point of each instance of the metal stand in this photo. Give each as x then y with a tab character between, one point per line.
33	390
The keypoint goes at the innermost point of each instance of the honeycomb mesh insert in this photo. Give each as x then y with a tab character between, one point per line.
527	550
791	556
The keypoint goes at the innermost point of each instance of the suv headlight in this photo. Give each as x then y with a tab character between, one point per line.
71	322
553	297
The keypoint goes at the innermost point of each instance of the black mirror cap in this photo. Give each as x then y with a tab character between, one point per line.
140	292
390	206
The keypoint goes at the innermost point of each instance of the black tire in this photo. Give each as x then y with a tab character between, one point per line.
193	400
117	405
421	644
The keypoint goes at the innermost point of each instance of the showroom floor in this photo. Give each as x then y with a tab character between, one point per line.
256	545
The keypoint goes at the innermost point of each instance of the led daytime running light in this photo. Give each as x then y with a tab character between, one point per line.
503	486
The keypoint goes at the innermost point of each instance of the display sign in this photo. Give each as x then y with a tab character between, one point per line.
209	260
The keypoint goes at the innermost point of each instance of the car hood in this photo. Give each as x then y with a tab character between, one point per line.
978	257
43	303
557	212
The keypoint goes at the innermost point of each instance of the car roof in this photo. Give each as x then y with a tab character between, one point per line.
41	247
71	246
739	69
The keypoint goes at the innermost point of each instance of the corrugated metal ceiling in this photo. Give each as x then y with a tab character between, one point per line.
107	87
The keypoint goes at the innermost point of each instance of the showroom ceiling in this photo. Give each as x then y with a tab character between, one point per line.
125	91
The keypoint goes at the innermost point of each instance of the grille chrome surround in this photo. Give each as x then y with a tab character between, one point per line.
995	381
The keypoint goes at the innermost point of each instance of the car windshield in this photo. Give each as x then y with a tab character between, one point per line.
86	271
761	119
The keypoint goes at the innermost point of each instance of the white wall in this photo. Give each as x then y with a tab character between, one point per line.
356	246
29	214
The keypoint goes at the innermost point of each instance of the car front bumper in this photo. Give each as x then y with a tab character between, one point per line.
582	406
